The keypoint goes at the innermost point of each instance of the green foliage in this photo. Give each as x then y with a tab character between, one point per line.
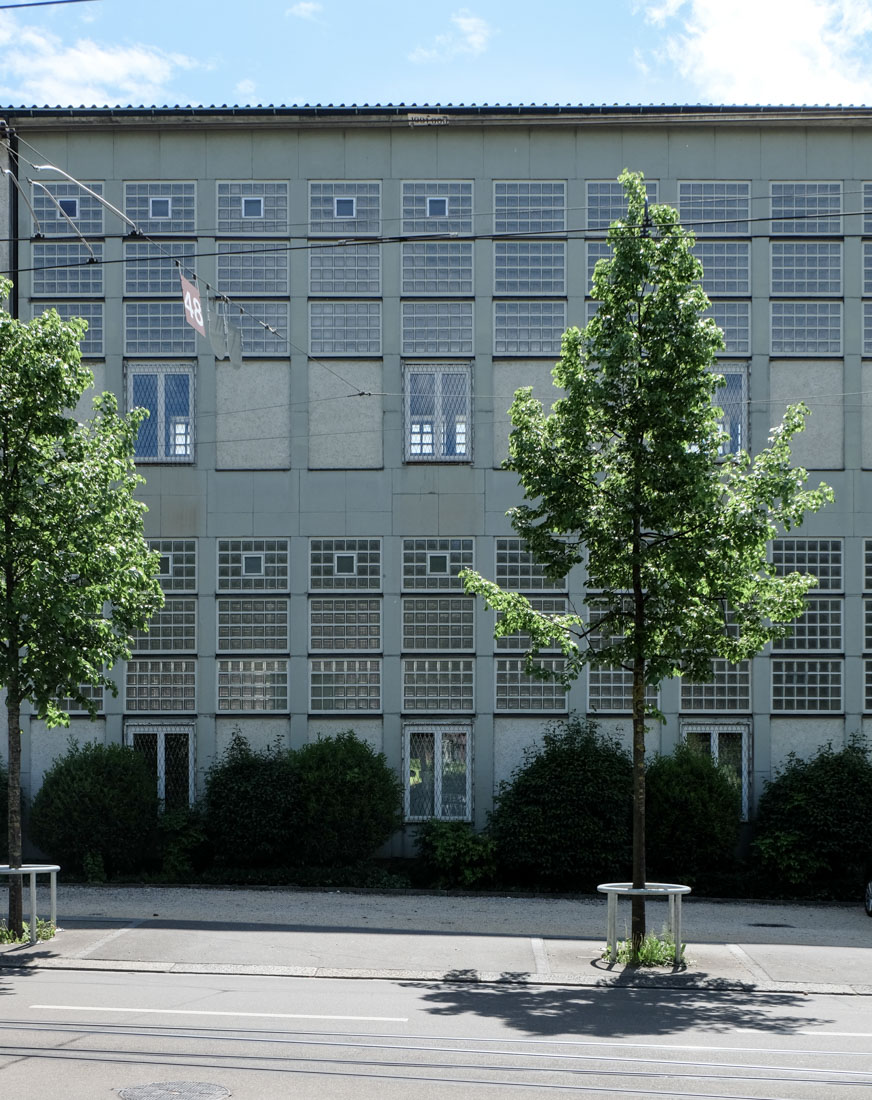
96	810
653	951
45	930
563	821
814	822
185	850
453	855
4	812
693	811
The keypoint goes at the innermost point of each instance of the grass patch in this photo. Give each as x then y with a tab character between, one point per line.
45	930
654	951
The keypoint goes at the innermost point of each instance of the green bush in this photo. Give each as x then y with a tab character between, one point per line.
4	813
563	821
452	855
97	808
814	823
693	808
185	850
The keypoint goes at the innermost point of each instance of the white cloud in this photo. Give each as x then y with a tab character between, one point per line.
766	51
245	87
470	38
306	9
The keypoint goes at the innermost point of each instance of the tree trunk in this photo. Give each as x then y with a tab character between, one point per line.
638	903
13	716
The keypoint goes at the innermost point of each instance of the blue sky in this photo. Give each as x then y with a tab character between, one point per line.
482	51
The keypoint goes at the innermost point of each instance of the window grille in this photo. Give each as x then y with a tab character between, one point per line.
729	744
732	400
529	267
158	328
437	408
517	690
806	267
87	215
238	214
94	692
434	564
346	684
169	752
151	268
253	685
528	328
518	571
253	565
339	625
438	772
734	318
246	268
806	685
806	208
157	686
422	215
167	391
252	625
728	689
719	207
438	684
92	342
529	206
606	201
173	629
345	564
178	564
438	623
437	328
726	266
67	268
819	628
345	269
820	557
181	208
345	328
323	219
437	267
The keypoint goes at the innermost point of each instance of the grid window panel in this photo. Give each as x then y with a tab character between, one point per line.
345	269
177	198
806	267
437	328
520	641
173	629
729	745
252	684
263	325
178	564
734	318
818	629
732	400
236	215
438	684
88	211
438	623
436	267
345	564
726	266
252	625
528	328
94	692
867	564
518	571
606	201
596	251
517	690
801	685
867	624
169	751
158	328
820	557
806	208
529	267
438	206
728	689
435	563
345	625
611	689
867	328
437	408
253	565
152	269
67	268
806	328
438	773
715	206
157	686
529	206
867	207
867	683
346	684
326	215
867	267
245	268
345	328
167	391
92	342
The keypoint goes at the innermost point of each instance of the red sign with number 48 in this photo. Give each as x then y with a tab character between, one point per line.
193	305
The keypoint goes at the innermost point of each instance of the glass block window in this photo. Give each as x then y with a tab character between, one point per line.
151	268
517	690
611	690
167	391
867	267
732	399
252	626
67	268
820	557
520	642
94	692
345	269
346	684
345	328
434	563
173	629
867	564
596	251
436	267
253	206
345	564
529	206
437	328
245	268
806	208
338	625
728	689
806	328
344	208
734	319
178	564
82	209
518	571
606	201
800	685
437	411
157	686
438	772
726	266
867	207
253	565
867	328
529	267
867	681
867	624
729	744
438	206
806	267
433	623
162	206
92	342
253	685
528	328
438	684
169	751
715	206
819	628
264	326
158	328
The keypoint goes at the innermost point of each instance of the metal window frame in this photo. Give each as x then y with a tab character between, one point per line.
439	370
743	726
132	726
163	370
437	728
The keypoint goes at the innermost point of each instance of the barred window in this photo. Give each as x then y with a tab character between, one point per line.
728	689
253	206
94	692
345	328
529	206
606	201
339	625
438	206
82	209
173	629
345	564
806	267
520	641
734	318
178	564
345	269
347	684
162	206
729	745
438	684
158	686
167	391
529	267
437	409
435	563
732	400
253	565
438	772
252	625
437	328
819	628
528	328
806	208
517	690
437	267
158	328
518	570
726	266
152	269
344	208
820	557
67	268
253	685
715	206
247	268
433	623
169	751
92	342
806	685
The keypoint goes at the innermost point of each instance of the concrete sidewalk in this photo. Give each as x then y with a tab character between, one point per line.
744	946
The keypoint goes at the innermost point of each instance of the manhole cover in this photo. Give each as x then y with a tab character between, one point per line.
175	1090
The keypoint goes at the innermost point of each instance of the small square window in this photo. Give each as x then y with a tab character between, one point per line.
437	563
345	565
437	207
70	207
165	569
345	207
160	207
252	207
252	565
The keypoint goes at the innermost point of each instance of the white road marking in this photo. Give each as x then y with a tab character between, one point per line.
540	955
86	951
202	1012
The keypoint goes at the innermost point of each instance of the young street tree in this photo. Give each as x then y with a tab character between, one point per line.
76	575
626	477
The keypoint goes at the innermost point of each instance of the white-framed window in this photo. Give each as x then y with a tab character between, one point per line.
247	268
529	206
92	342
82	209
345	564
252	625
252	685
344	206
434	564
330	201
162	206
729	744
529	267
345	327
438	624
169	749
806	208
70	207
436	267
434	684
518	690
167	391
715	207
437	328
158	328
345	684
345	269
732	400
518	571
606	201
437	206
178	564
806	267
438	426
528	327
345	624
253	565
728	689
734	318
437	762
173	629
151	269
67	267
726	266
161	685
252	206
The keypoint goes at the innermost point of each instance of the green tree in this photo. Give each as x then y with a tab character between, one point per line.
626	478
76	575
